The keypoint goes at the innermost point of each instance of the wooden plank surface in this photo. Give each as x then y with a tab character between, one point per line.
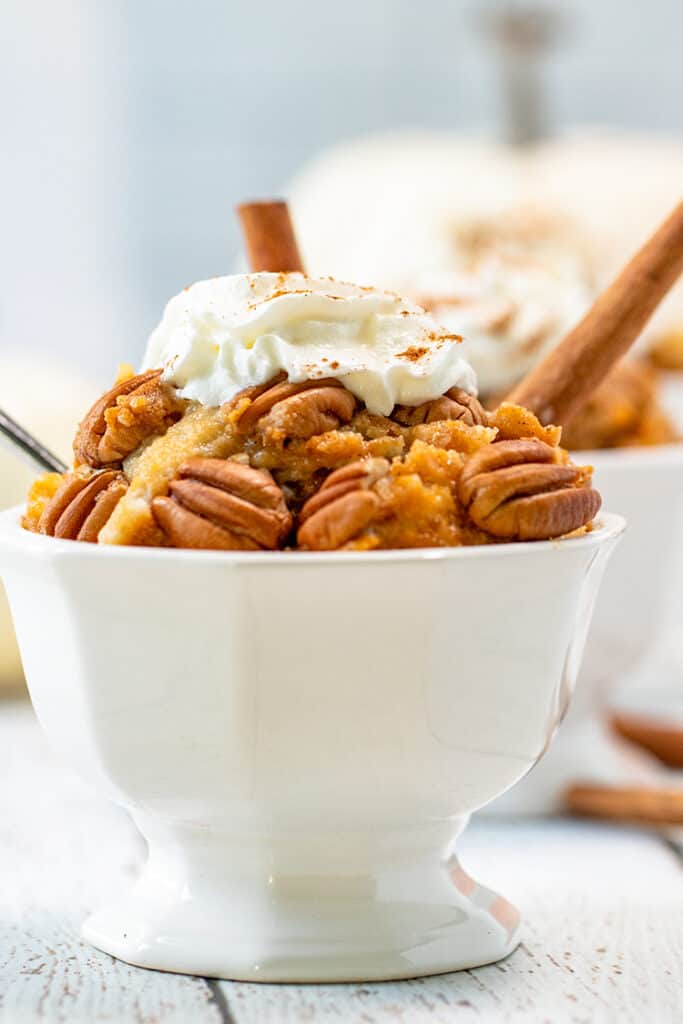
602	940
63	851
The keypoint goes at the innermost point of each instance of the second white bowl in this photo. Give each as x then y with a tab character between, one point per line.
646	486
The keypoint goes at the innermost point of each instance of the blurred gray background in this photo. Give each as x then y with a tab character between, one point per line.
131	128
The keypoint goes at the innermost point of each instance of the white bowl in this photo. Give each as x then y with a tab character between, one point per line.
646	486
301	737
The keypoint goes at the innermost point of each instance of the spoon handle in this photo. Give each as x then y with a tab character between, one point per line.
29	446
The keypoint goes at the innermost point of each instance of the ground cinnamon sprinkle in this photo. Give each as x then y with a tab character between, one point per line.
413	354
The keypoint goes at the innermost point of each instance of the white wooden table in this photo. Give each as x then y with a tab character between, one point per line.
602	941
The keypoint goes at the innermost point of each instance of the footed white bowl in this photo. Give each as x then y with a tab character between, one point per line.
301	737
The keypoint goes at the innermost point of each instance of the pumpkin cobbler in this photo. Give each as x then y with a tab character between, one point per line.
280	411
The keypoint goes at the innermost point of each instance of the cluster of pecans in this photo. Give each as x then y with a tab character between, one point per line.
512	489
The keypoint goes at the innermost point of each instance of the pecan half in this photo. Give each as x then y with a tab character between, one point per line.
516	490
124	417
82	505
285	410
343	507
225	505
456	404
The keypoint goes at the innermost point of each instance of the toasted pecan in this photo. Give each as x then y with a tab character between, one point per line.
343	507
308	413
217	503
82	505
124	417
517	490
287	410
456	404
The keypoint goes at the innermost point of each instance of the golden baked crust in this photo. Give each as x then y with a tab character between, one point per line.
202	431
41	493
306	465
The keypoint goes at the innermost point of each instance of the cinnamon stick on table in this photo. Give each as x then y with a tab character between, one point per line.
269	237
646	805
566	378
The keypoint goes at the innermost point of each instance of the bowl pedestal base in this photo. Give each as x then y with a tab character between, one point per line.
304	908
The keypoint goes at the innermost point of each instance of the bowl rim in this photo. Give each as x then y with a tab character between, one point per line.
609	525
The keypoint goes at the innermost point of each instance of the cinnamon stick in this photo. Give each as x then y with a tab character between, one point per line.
647	805
566	378
662	740
269	236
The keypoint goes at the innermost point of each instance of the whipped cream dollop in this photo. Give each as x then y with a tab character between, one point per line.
510	312
228	333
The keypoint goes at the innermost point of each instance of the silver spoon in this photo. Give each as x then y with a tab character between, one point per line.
29	446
